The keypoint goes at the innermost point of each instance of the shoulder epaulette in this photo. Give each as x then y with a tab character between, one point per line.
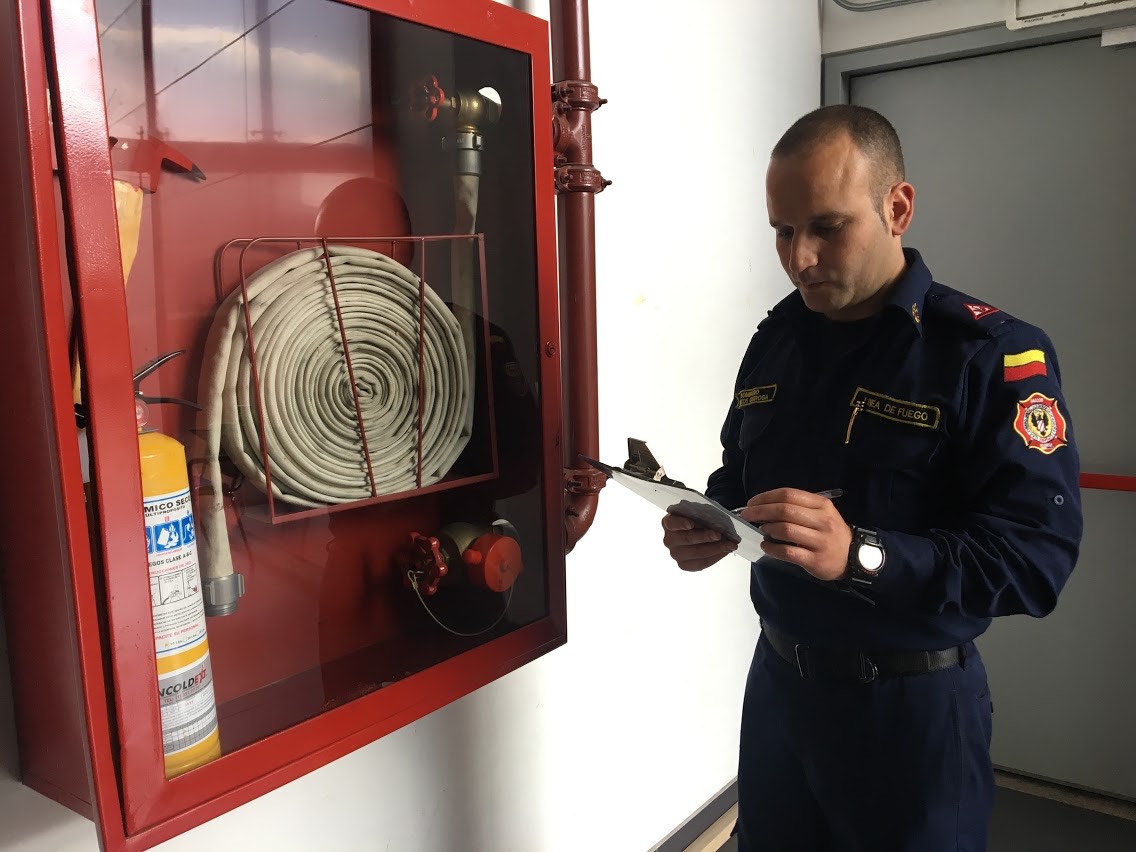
779	312
973	315
770	320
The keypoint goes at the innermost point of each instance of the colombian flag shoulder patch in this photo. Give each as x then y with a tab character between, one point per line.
1023	365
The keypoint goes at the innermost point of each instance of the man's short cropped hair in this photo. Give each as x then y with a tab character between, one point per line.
871	132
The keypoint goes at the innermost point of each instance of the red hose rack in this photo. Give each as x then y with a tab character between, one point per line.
482	401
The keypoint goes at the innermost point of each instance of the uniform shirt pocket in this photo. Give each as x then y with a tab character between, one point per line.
893	474
759	472
755	422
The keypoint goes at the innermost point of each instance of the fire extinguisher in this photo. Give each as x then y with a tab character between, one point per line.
190	736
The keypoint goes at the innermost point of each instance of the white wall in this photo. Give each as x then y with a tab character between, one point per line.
843	30
612	741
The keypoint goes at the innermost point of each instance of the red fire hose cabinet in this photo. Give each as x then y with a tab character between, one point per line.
282	452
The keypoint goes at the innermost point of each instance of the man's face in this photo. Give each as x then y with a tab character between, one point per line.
834	242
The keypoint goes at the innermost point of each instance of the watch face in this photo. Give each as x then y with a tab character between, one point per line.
870	557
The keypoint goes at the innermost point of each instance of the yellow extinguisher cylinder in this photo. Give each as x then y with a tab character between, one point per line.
185	678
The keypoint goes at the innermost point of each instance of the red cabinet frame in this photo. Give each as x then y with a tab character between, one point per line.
83	654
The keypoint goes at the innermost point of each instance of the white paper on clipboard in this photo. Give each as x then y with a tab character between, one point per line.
690	504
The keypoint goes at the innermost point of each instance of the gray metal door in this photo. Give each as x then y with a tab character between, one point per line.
1024	164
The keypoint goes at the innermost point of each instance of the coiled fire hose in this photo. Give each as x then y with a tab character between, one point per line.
315	452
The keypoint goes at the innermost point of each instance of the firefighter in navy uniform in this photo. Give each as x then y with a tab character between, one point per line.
867	717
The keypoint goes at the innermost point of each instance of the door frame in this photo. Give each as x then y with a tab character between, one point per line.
837	73
838	70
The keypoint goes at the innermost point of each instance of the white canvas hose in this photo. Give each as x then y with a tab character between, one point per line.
315	452
462	254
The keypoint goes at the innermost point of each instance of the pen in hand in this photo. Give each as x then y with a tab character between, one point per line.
831	494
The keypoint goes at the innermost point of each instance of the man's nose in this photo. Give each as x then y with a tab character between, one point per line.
802	254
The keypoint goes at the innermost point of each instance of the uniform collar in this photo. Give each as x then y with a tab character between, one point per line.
911	289
907	296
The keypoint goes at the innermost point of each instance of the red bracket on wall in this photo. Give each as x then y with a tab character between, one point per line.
1108	482
584	481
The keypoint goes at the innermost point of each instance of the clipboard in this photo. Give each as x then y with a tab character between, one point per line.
676	498
643	475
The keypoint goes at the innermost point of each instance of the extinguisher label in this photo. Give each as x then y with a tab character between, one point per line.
189	712
175	578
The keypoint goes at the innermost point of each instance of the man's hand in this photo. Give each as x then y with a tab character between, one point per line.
694	547
818	537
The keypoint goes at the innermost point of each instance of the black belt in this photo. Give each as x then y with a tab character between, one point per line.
818	663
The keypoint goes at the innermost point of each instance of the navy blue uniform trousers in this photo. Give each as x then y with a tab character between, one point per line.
897	765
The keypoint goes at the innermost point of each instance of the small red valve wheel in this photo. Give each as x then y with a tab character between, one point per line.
426	563
427	98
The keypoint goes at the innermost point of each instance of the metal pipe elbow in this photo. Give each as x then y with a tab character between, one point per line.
579	512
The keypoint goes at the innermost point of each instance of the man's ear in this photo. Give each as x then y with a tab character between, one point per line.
899	207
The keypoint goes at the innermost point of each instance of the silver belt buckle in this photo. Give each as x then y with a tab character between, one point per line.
868	670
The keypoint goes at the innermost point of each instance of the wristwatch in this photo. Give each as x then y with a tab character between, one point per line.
866	556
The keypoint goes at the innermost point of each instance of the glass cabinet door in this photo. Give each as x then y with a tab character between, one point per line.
341	307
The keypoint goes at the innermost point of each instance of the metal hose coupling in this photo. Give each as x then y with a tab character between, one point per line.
222	593
470	113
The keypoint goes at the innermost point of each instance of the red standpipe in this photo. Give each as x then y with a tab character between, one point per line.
577	182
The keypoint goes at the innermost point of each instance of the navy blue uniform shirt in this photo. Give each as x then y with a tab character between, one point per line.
942	420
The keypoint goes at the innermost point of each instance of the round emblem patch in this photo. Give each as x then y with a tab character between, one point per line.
1040	424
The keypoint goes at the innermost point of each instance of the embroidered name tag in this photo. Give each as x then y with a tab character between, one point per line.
752	396
899	410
